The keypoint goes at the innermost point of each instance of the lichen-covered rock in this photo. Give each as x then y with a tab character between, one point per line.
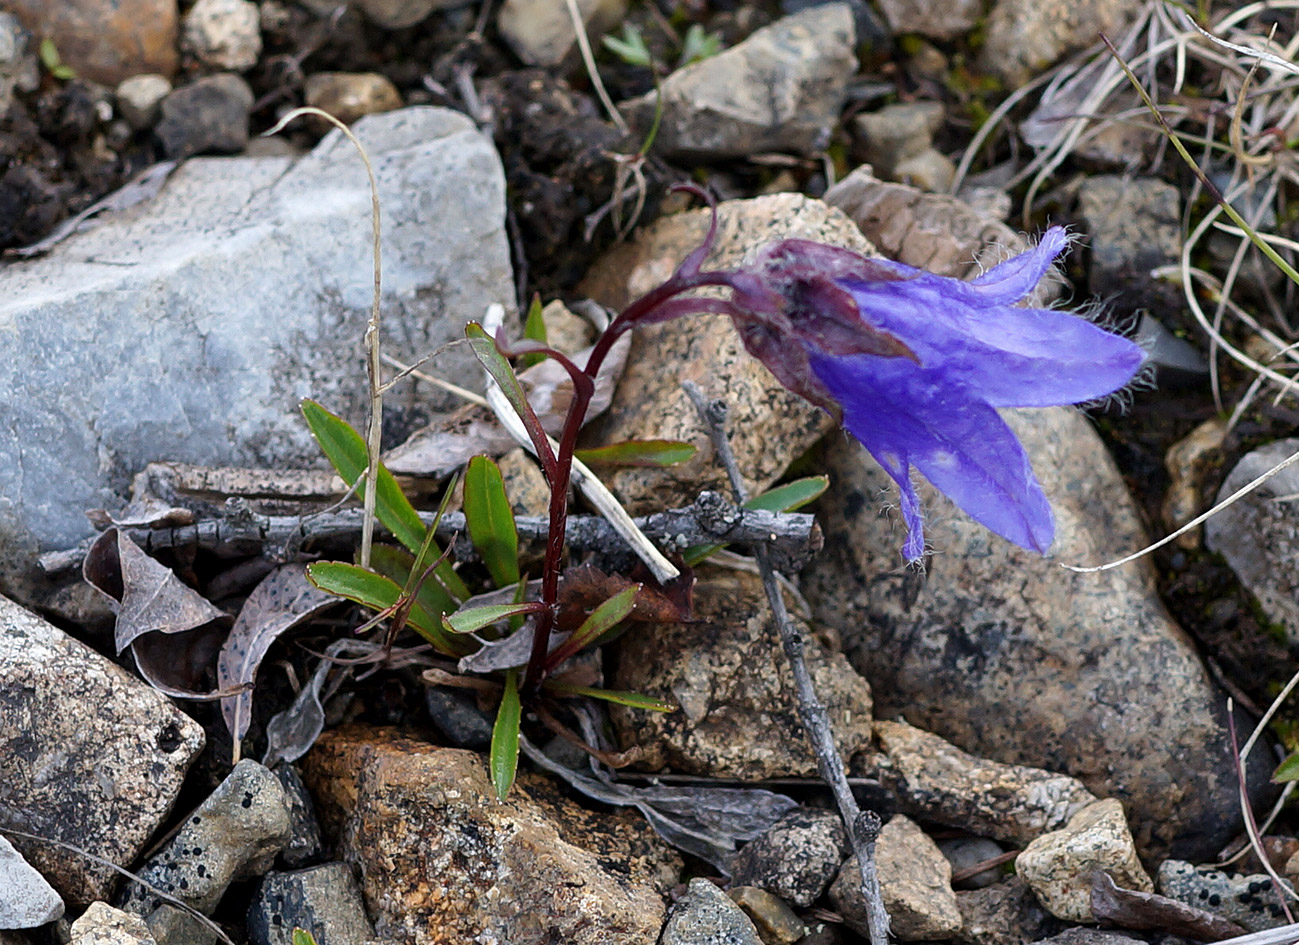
705	916
444	862
1011	657
937	781
726	670
89	755
797	858
324	900
1249	901
915	883
1059	865
769	426
101	924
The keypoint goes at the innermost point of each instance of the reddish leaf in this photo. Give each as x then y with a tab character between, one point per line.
1130	909
282	600
584	588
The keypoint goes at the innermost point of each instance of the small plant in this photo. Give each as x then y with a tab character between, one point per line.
53	62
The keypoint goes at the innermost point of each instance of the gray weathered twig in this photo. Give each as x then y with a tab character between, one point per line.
793	537
863	826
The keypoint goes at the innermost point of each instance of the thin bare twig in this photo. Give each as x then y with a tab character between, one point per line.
863	826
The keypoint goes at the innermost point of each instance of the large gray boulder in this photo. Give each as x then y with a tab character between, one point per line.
189	327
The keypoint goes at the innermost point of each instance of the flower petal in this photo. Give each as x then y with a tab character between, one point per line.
1010	357
909	415
1010	281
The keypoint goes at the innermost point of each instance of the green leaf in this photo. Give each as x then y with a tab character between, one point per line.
599	622
1287	770
633	699
53	62
491	520
473	619
484	349
347	453
398	564
379	593
631	48
699	45
534	329
303	937
504	754
787	498
655	453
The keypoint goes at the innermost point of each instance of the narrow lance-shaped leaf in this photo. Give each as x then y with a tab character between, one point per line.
397	564
484	349
534	329
633	699
504	753
491	521
600	621
653	453
347	452
473	619
380	593
787	498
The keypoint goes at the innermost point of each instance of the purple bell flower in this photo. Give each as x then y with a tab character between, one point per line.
915	364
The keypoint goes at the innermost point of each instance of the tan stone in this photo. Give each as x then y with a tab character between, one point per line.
350	95
443	861
726	670
101	924
769	426
1058	865
106	42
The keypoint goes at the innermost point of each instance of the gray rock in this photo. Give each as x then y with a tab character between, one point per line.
28	900
89	755
705	916
395	14
936	19
1249	901
1081	936
780	90
796	859
223	34
967	853
1058	866
235	834
139	99
1259	536
915	883
1134	226
1004	914
1011	657
101	924
931	171
207	116
937	782
19	71
739	715
1025	36
203	317
895	133
325	900
457	717
305	845
541	31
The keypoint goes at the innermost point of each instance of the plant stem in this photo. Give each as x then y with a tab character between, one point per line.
863	827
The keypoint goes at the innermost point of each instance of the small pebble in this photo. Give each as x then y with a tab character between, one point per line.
350	95
224	34
777	924
139	99
209	116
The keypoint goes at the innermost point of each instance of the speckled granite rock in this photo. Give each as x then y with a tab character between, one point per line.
1010	657
324	900
1058	865
936	780
89	754
101	924
727	672
235	834
1006	913
705	916
797	858
442	861
1259	536
915	882
1249	901
781	89
769	426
